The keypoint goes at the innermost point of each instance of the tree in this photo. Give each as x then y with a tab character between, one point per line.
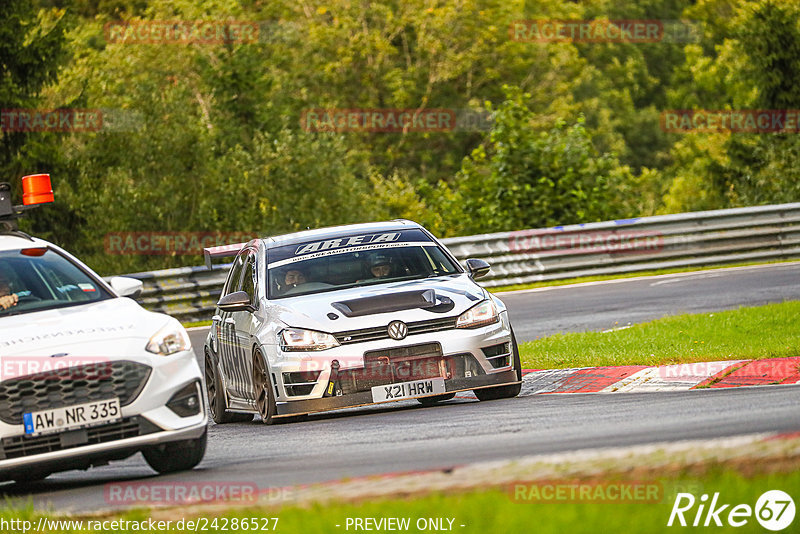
755	67
32	50
526	177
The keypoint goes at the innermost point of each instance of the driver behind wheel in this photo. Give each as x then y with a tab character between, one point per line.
290	279
7	298
294	278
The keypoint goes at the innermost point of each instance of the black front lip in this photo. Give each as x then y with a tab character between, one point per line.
89	455
364	398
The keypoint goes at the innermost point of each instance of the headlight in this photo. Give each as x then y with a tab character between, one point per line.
297	339
479	315
170	339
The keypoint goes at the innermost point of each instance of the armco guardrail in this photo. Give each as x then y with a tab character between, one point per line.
718	237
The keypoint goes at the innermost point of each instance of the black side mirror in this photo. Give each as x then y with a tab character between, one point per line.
477	268
236	301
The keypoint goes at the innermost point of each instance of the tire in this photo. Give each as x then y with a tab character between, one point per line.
216	397
504	392
264	395
176	455
435	399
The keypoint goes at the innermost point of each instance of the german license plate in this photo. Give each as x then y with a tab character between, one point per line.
408	390
70	417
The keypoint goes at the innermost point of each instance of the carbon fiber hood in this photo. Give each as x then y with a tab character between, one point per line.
377	305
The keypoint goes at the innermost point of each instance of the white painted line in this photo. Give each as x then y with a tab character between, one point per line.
700	276
725	270
616	328
545	381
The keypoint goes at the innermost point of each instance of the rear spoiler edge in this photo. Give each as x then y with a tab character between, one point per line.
224	251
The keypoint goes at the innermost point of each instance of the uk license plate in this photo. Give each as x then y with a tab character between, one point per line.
408	390
71	417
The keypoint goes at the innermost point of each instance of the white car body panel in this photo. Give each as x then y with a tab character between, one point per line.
105	331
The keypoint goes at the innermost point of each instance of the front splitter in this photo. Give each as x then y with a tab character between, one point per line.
364	398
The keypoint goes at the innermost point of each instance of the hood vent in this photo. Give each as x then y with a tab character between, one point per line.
390	302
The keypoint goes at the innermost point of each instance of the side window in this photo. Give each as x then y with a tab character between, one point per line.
249	278
234	277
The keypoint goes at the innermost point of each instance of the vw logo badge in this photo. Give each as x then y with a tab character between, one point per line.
397	330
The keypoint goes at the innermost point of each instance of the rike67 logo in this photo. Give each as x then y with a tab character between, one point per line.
774	510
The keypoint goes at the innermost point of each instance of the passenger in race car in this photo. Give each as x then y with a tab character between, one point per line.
7	298
380	266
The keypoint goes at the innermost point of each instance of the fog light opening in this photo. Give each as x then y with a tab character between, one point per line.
187	401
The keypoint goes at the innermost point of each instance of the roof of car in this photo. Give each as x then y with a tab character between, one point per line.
333	232
17	240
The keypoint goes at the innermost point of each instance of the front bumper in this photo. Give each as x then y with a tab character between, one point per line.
466	364
146	421
468	346
98	454
363	398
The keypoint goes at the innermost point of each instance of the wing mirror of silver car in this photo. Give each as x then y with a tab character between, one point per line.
236	301
126	287
477	268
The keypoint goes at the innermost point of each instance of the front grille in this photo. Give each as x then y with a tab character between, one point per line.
401	364
411	352
300	383
381	332
296	391
70	386
498	355
21	446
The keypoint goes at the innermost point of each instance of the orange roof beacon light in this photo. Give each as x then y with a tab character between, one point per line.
36	189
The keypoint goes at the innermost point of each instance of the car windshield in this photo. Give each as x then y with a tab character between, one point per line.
35	279
353	261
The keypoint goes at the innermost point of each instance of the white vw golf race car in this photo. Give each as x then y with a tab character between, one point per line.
87	375
353	315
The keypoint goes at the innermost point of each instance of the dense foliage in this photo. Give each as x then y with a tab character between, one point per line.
208	137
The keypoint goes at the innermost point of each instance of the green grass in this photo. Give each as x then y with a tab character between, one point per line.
191	324
747	333
570	281
496	510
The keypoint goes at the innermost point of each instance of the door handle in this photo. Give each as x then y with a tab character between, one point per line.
216	318
230	321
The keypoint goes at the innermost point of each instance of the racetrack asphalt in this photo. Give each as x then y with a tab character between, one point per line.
408	437
378	440
601	305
